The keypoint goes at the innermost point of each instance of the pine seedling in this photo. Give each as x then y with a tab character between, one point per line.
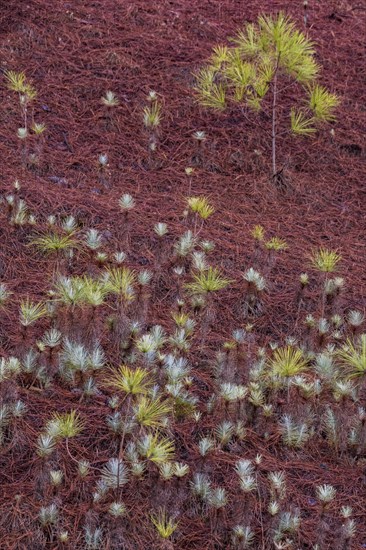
343	389
201	486
63	537
4	295
56	477
355	318
255	279
45	445
64	425
287	362
166	471
176	368
152	114
224	432
38	128
304	280
119	425
20	214
48	515
30	312
262	56
245	471
74	359
93	538
325	368
83	468
120	281
129	381
119	257
185	244
217	498
152	117
205	445
114	474
199	137
54	243
94	292
109	99
207	281
325	260
164	525
325	495
51	339
199	262
200	206
97	358
9	368
180	469
69	291
289	524
22	133
273	508
276	244
93	239
69	225
353	356
150	412
256	285
294	434
242	537
117	509
331	428
277	485
126	204
349	532
258	233
230	392
161	229
17	82
156	449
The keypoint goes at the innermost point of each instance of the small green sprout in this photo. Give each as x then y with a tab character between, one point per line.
64	425
38	128
110	99
201	206
287	361
156	449
165	526
325	260
17	82
30	312
152	115
257	233
150	412
353	356
207	281
22	133
54	242
126	202
277	244
130	381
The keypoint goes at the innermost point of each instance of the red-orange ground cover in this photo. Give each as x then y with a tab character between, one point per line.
73	52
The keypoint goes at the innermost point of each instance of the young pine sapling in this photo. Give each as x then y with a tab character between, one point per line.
266	59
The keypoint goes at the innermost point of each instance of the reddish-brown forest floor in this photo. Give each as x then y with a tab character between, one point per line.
73	52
